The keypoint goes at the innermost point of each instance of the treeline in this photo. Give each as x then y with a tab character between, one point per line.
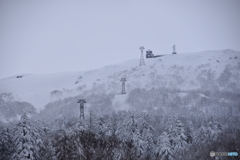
162	124
119	136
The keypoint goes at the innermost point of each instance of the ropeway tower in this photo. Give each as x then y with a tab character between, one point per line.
81	101
142	63
123	85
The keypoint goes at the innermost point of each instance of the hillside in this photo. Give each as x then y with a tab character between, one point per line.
207	70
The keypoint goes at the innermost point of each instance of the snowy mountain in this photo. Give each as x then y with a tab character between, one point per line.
206	70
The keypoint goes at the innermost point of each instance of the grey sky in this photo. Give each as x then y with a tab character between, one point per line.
44	36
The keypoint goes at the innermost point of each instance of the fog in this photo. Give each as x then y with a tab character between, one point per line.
45	37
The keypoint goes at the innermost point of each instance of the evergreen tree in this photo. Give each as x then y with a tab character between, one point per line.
67	146
172	136
80	126
148	139
26	140
102	138
200	137
214	130
91	124
208	134
102	127
6	144
181	138
138	144
131	140
135	137
122	133
48	151
164	149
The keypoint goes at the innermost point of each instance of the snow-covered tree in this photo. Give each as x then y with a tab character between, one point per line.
121	133
164	149
135	136
6	143
80	126
172	136
48	151
103	129
131	139
148	139
200	137
68	146
27	140
132	125
181	138
214	130
207	134
91	122
138	144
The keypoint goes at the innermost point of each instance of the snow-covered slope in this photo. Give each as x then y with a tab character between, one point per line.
184	71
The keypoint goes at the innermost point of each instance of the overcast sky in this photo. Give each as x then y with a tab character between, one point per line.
74	35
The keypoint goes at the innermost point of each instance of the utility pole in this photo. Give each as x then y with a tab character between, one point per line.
81	101
142	63
123	85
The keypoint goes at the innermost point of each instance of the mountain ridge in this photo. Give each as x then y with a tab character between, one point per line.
184	71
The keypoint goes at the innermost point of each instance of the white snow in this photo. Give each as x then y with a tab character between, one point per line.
36	88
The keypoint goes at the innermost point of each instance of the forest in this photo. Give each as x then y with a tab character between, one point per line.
162	124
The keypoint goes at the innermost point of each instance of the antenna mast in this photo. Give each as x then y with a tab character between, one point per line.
174	49
142	63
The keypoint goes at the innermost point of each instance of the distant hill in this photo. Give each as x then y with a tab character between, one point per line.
207	70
